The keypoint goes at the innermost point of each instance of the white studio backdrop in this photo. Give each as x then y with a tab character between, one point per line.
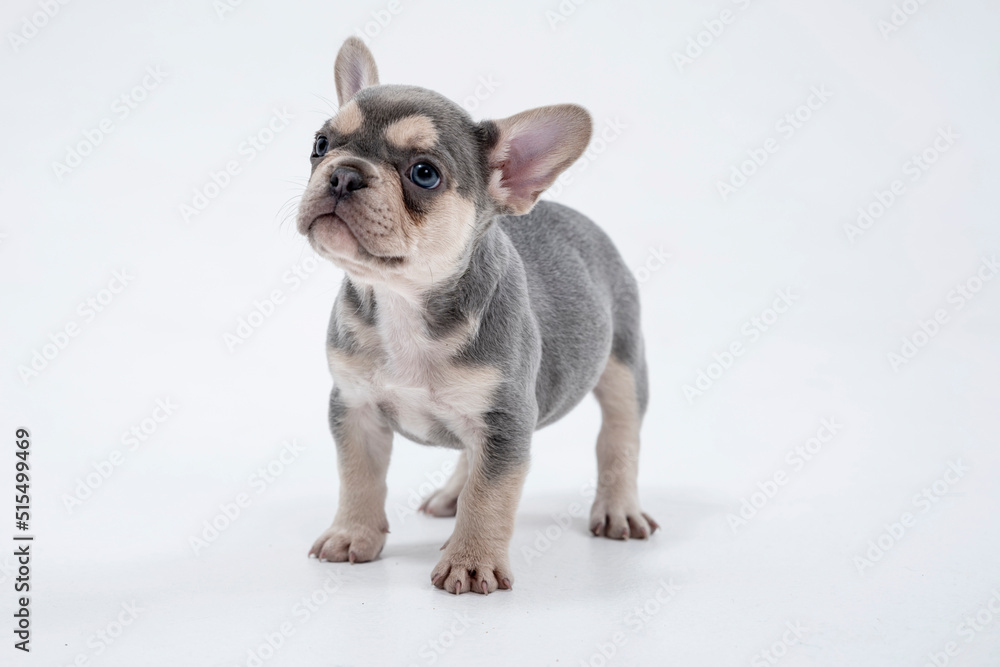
805	190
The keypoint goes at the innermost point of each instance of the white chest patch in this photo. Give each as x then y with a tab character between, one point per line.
413	377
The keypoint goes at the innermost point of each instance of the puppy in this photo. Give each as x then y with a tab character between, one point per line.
469	316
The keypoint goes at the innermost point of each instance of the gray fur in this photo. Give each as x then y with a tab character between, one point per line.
461	325
385	104
551	281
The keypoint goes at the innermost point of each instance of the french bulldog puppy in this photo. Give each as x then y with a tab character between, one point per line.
470	314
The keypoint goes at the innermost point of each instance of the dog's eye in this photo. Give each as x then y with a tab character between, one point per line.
320	146
425	176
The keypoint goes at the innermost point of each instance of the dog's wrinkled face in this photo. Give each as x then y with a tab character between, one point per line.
403	180
398	184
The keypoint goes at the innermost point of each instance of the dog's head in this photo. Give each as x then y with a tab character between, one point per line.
403	180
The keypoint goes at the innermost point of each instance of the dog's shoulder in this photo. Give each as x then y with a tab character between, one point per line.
550	223
553	238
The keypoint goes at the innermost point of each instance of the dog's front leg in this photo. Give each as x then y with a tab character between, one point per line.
364	444
476	556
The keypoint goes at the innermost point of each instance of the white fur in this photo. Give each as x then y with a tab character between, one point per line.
401	366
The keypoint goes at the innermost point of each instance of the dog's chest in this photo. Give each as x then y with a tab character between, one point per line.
415	379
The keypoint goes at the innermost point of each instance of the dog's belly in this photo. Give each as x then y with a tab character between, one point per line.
582	295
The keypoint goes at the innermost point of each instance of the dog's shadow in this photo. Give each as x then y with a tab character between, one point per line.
417	551
680	514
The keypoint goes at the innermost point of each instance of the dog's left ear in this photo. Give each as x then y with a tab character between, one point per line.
354	69
532	148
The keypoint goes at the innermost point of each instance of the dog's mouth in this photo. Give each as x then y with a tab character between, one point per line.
334	220
330	231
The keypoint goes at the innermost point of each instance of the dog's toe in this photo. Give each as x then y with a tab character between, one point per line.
475	570
354	544
620	520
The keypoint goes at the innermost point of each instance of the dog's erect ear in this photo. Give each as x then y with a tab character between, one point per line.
532	148
355	69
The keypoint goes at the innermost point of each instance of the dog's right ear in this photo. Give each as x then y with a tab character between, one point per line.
355	69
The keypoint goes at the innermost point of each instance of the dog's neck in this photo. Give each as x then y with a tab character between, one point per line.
448	302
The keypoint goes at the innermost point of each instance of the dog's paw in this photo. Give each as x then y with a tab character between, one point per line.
356	543
473	567
620	519
442	503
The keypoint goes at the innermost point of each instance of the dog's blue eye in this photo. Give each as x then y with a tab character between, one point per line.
424	175
320	146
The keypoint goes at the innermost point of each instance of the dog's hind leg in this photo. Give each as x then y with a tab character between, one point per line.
444	501
621	393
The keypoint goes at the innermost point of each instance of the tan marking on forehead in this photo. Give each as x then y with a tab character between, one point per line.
412	132
348	119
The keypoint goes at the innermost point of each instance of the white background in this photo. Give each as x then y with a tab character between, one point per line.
654	188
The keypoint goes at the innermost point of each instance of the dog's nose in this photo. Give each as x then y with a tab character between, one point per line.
345	180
